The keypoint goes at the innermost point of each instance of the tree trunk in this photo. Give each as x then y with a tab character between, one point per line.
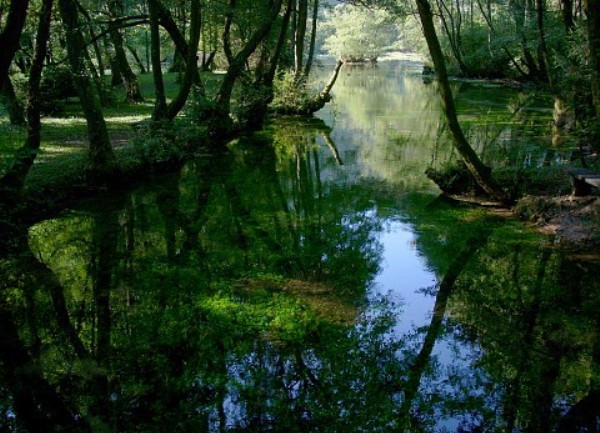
136	56
221	124
302	18
281	42
313	39
94	38
567	14
11	35
102	162
14	179
132	87
191	62
160	104
165	19
12	103
592	10
477	169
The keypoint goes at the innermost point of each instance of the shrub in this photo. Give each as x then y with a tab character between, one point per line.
290	95
157	143
55	88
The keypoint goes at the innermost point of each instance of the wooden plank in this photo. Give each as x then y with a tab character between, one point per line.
594	182
581	173
582	180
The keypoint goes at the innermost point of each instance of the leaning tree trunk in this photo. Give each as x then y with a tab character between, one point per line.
191	62
102	162
220	125
94	40
165	19
137	59
477	169
592	8
10	36
14	179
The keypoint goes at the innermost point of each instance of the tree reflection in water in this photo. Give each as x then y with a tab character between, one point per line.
235	295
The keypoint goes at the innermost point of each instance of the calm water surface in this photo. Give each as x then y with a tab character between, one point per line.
309	280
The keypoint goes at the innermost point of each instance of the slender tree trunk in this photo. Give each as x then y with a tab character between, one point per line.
12	103
313	39
160	105
302	18
115	78
520	14
11	34
477	169
236	67
14	179
132	87
270	76
592	10
137	58
207	60
452	31
563	115
567	14
165	19
94	38
191	62
102	162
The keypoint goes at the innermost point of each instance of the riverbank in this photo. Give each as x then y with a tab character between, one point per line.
572	221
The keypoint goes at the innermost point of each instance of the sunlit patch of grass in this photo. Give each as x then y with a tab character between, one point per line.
57	168
64	139
126	119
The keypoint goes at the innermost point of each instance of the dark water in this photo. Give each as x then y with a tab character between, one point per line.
309	280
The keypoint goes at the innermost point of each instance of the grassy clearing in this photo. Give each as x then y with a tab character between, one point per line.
63	152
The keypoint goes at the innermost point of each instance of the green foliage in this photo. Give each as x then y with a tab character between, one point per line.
358	34
483	56
56	87
292	95
158	143
256	310
249	103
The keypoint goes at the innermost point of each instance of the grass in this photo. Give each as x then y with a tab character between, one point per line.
64	142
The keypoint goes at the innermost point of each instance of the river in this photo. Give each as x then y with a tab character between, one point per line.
310	279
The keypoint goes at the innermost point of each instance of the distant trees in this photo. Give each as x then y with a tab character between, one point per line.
357	34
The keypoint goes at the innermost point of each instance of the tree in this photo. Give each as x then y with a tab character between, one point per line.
358	34
11	34
14	179
132	88
477	169
219	119
102	162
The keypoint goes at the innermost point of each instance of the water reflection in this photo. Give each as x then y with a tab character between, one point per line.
261	290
